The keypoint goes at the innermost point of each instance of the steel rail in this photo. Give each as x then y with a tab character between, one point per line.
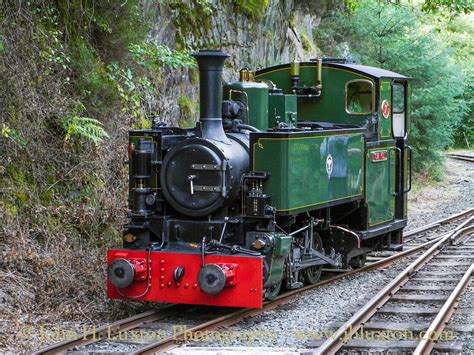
233	318
200	330
460	155
106	331
464	157
137	320
438	223
350	327
437	326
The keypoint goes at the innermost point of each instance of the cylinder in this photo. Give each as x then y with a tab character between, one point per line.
210	65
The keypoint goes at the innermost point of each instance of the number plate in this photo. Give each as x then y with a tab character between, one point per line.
380	155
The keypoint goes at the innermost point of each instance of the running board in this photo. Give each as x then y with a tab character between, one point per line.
376	231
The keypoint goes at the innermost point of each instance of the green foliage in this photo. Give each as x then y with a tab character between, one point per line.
53	50
5	130
459	33
153	55
56	58
444	8
83	127
352	4
133	91
192	19
136	82
108	26
396	38
253	9
89	77
308	46
448	7
187	109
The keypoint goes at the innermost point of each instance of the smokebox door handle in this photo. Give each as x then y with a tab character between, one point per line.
191	183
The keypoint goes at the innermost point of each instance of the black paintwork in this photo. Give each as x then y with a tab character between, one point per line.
170	213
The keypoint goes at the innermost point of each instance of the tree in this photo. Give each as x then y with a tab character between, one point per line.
395	37
459	33
450	8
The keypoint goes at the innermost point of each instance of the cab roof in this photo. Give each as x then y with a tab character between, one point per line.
373	72
370	71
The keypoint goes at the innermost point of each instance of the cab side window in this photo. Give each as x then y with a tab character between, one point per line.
359	97
398	92
399	110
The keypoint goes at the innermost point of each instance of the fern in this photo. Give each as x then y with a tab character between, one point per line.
84	127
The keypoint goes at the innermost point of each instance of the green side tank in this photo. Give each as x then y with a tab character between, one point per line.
254	95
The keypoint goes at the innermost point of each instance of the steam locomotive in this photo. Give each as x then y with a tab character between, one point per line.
281	177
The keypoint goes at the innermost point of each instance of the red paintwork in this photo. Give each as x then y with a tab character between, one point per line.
244	287
385	109
140	266
230	272
381	155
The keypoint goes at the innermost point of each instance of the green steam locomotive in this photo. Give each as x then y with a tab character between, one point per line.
290	169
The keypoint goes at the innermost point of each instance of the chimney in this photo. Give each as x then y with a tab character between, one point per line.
210	65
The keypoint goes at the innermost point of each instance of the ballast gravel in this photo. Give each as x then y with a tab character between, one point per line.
311	316
306	318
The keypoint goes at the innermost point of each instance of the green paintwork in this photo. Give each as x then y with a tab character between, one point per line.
281	248
282	108
255	96
406	183
385	126
299	180
380	186
282	245
330	107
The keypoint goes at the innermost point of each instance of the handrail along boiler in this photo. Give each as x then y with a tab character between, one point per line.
279	178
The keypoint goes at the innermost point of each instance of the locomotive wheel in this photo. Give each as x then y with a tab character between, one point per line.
273	291
312	274
358	261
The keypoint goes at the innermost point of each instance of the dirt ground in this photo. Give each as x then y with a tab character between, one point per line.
436	200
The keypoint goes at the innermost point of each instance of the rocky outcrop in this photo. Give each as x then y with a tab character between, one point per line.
273	32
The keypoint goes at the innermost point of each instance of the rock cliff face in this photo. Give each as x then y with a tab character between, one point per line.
272	32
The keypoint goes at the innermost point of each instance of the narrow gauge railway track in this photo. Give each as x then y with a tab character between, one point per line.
108	332
414	234
464	157
447	266
417	236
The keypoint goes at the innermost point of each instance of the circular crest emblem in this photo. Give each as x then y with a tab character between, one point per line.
329	164
385	109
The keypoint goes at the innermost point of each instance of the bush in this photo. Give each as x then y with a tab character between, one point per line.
74	76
